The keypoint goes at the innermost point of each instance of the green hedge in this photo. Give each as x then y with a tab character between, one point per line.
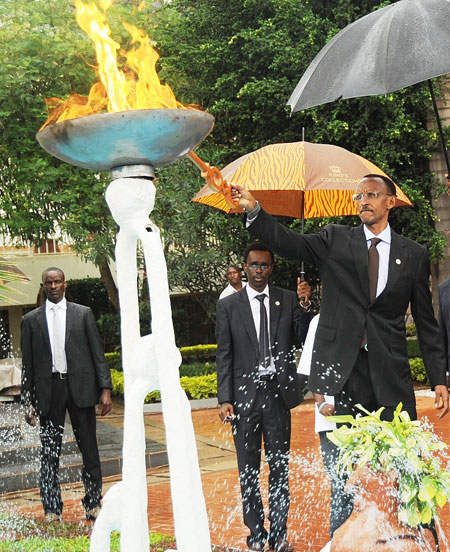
197	387
413	348
197	360
418	370
198	353
198	369
114	361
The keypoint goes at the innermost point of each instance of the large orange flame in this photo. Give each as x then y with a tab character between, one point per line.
136	87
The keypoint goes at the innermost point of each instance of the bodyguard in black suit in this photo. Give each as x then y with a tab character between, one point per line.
444	317
64	368
257	387
360	353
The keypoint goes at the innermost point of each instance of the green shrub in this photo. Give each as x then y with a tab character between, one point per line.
203	356
117	382
90	292
411	330
418	370
198	387
413	348
198	369
198	353
114	361
109	329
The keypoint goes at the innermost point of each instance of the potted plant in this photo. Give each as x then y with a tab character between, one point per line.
394	467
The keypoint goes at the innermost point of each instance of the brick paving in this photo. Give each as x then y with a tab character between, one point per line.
309	511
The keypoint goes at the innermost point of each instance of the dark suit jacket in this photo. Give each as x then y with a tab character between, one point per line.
444	316
340	253
87	369
238	351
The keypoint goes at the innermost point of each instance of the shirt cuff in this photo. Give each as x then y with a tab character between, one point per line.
251	215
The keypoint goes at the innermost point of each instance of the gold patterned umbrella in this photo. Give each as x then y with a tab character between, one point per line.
299	180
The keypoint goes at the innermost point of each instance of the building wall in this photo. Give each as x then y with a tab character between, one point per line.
24	294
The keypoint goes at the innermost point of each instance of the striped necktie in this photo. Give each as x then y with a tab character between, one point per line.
59	357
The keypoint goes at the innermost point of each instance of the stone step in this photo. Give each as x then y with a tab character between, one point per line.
9	433
19	455
22	475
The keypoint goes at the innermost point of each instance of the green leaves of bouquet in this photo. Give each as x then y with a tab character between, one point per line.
402	446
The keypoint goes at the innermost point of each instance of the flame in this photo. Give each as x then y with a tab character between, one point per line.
137	86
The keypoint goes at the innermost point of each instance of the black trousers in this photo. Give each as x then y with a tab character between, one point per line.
51	433
269	419
341	501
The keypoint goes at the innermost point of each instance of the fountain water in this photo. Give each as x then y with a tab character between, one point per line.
130	144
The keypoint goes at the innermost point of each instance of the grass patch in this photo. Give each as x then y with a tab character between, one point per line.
19	534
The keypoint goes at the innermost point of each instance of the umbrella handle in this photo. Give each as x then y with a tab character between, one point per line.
214	179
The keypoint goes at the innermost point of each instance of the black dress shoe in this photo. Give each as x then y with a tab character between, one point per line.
282	545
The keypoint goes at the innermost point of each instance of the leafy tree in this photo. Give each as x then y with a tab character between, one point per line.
44	54
241	60
238	59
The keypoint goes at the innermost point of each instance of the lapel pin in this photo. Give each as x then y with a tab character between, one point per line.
277	303
398	261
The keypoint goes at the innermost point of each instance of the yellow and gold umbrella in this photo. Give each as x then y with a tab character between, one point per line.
299	180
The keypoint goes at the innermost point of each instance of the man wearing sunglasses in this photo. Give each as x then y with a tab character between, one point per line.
256	330
369	276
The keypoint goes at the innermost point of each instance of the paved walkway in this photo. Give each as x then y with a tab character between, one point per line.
308	519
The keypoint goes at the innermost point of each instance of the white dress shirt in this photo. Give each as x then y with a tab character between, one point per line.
255	306
61	317
383	248
229	290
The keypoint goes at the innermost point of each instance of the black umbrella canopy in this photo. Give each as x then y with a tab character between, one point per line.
396	46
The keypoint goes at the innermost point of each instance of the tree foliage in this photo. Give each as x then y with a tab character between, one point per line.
240	61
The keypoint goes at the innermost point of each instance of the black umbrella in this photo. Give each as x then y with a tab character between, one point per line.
391	48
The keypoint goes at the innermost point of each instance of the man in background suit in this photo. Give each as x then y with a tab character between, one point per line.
257	386
444	318
360	353
234	278
64	368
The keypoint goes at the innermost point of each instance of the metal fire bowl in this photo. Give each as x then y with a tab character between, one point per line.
102	142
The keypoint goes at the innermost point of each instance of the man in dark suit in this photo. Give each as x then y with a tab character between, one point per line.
64	368
360	346
444	318
360	353
257	386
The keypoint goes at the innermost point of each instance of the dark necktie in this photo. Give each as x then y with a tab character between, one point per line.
372	272
372	268
264	354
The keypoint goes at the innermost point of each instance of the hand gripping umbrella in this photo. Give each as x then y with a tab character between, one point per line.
391	48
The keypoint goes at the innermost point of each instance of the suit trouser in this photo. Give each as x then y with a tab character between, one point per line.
51	432
358	389
269	419
341	502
